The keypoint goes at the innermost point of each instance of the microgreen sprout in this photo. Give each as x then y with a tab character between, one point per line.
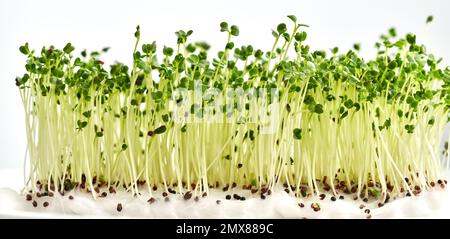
338	122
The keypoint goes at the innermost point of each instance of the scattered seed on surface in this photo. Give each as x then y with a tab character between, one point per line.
196	198
225	188
341	197
432	184
151	200
50	194
204	194
104	194
237	197
369	216
254	190
45	204
367	211
286	190
187	196
315	207
269	192
166	199
322	196
365	200
263	196
228	197
35	204
242	198
362	206
380	204
164	194
38	194
119	207
440	181
218	202
112	190
233	185
333	198
301	205
70	197
29	197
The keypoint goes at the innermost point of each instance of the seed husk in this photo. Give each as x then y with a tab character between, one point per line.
322	196
315	207
187	196
301	205
166	199
151	200
119	207
333	198
204	194
218	202
237	197
70	197
196	199
29	197
45	204
35	204
228	197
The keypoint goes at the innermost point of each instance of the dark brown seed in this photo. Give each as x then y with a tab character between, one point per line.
380	204
408	194
218	202
237	197
151	200
432	184
164	194
171	191
112	189
233	185
50	194
269	192
285	185
119	207
333	198
301	205
35	204
94	180
254	190
355	198
225	188
286	190
417	188
71	197
242	198
341	197
187	196
354	189
264	190
38	194
365	199
407	180
104	194
228	197
440	181
239	165
322	196
193	186
166	199
45	204
29	197
97	190
361	206
196	198
204	194
155	188
263	196
445	181
367	211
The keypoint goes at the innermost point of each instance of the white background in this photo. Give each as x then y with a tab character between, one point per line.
94	24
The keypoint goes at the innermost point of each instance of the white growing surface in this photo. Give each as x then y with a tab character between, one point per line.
429	204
